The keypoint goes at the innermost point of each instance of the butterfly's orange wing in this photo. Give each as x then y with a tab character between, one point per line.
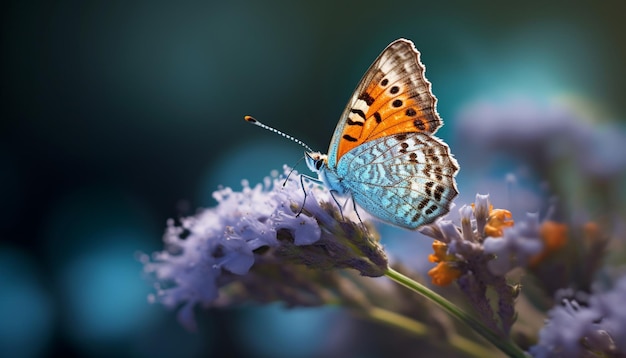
393	97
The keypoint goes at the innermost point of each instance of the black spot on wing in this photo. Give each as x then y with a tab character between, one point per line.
423	203
367	98
429	186
438	173
378	117
438	192
431	209
354	123
427	169
419	124
358	112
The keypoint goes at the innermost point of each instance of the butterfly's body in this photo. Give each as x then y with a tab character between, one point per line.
383	152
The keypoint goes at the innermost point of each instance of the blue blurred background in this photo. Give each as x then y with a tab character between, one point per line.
117	115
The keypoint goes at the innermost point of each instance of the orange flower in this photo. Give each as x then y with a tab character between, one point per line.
554	237
444	274
441	251
498	220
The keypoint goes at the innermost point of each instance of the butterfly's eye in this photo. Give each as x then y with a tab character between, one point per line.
318	163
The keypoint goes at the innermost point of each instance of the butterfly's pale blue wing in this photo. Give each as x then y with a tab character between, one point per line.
383	152
404	179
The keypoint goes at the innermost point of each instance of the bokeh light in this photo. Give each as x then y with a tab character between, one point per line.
26	307
272	331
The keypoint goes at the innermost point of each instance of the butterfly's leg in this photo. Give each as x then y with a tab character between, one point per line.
357	214
305	195
302	176
332	193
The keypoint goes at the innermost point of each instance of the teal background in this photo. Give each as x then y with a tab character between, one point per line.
117	115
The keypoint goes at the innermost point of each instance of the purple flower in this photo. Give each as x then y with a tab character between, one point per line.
259	226
593	327
543	134
516	247
609	305
466	260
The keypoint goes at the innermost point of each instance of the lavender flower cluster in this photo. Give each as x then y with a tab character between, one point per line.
585	326
480	252
486	247
543	134
272	227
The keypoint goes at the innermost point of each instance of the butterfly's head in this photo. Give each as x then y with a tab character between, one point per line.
315	160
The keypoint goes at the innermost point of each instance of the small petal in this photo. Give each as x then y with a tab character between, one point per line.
482	207
493	245
444	274
238	257
466	223
554	237
449	231
466	212
186	318
433	231
499	219
440	249
305	229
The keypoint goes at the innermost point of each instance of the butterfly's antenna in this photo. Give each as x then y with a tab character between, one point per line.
271	129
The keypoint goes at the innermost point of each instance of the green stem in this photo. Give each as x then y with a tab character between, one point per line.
419	329
504	345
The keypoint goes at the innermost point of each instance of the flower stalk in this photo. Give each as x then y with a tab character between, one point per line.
504	345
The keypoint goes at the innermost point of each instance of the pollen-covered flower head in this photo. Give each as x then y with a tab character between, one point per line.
265	226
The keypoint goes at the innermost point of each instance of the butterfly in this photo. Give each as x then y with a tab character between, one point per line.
383	152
